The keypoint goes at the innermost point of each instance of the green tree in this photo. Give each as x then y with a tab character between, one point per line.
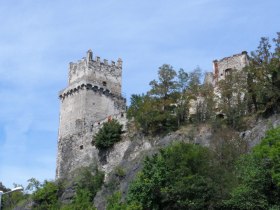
165	106
33	184
232	101
166	84
205	106
179	177
258	175
254	182
163	92
88	181
82	201
182	103
46	197
227	147
149	115
183	79
264	77
11	200
114	203
140	111
193	95
194	82
108	135
269	151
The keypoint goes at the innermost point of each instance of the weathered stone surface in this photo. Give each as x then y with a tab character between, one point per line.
92	97
137	148
67	196
259	128
223	66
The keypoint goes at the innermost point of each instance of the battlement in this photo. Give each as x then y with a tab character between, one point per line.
89	62
97	72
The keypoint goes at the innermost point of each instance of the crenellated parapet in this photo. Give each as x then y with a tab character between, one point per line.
101	73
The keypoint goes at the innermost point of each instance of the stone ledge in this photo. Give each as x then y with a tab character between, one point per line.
84	85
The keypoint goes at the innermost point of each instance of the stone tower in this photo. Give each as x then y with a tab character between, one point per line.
93	95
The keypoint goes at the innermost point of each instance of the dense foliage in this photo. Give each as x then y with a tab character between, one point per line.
264	77
186	176
11	200
258	174
179	177
86	182
46	197
165	106
108	135
114	203
178	98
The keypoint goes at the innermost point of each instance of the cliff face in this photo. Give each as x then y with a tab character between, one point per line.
124	160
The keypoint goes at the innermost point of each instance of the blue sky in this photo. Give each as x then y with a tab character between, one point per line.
38	39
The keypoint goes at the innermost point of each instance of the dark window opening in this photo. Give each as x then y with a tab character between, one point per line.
121	114
220	116
104	83
81	147
227	71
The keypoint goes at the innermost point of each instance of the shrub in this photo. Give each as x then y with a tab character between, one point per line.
108	135
115	203
47	196
89	180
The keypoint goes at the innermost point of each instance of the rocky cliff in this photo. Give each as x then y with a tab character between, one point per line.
124	160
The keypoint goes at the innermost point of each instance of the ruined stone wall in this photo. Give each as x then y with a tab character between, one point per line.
93	96
235	62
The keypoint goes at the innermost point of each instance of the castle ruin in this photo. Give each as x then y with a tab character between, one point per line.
221	68
224	66
92	97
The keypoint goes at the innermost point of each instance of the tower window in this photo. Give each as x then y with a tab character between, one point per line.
81	147
227	72
104	83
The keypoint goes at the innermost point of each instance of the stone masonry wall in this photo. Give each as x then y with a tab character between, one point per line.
235	62
93	96
96	72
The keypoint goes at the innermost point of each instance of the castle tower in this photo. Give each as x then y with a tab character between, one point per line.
93	95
